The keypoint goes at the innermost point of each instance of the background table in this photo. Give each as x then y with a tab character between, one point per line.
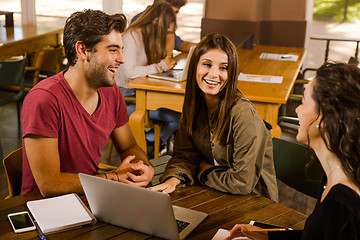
27	38
225	210
267	98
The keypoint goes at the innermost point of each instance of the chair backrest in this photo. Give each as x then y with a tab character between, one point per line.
13	169
297	166
12	72
46	60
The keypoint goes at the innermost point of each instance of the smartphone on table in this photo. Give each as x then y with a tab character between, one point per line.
21	222
266	225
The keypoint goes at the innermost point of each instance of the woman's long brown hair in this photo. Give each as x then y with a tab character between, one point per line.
194	98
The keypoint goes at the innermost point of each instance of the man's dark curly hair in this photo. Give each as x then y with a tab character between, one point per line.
89	27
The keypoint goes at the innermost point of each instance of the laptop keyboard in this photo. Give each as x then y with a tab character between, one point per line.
181	225
176	74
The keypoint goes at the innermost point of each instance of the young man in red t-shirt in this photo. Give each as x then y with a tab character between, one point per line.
68	118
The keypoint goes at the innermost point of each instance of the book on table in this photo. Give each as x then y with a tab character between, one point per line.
60	213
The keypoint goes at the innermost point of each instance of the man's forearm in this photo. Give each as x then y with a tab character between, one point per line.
136	151
61	183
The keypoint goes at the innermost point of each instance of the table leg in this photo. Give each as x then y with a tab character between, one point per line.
269	112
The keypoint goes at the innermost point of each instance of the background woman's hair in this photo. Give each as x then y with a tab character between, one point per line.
176	3
154	24
89	27
337	95
194	99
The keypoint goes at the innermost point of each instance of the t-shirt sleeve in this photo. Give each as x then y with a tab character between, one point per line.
178	42
40	114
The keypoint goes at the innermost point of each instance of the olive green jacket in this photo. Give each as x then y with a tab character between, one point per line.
244	155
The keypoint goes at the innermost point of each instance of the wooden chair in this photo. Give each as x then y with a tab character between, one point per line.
298	167
12	73
13	170
46	62
148	124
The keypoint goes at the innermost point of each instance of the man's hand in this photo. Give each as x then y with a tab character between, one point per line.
168	186
135	172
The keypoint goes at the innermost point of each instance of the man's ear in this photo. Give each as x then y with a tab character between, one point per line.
81	51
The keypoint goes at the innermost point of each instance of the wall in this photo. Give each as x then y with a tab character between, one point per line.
274	22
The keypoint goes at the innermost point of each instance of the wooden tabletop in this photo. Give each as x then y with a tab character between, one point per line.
250	63
21	32
27	38
225	210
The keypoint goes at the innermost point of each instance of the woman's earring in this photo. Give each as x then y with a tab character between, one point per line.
317	125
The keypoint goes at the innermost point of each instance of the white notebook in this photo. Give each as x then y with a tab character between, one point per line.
59	213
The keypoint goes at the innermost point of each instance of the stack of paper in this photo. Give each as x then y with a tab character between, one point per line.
59	213
222	234
260	78
282	57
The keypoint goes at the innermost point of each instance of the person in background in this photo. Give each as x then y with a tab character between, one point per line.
330	123
222	142
146	50
68	118
179	44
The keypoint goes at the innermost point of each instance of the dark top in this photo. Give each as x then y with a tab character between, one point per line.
337	217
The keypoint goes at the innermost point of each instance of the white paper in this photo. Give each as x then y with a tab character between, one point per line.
281	57
222	234
260	78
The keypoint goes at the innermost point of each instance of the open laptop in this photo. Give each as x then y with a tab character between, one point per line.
139	209
177	74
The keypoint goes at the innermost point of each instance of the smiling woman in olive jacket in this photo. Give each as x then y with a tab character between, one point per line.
221	142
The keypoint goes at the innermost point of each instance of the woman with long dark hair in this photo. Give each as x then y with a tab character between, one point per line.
148	44
330	123
222	142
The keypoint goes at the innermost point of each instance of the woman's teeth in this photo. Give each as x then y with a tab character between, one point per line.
211	82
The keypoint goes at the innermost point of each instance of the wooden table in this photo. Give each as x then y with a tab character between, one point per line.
224	211
27	38
152	94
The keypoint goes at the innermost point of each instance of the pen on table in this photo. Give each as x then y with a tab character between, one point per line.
266	229
260	76
41	234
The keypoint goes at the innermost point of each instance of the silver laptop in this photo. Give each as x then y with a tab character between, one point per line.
139	209
178	73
